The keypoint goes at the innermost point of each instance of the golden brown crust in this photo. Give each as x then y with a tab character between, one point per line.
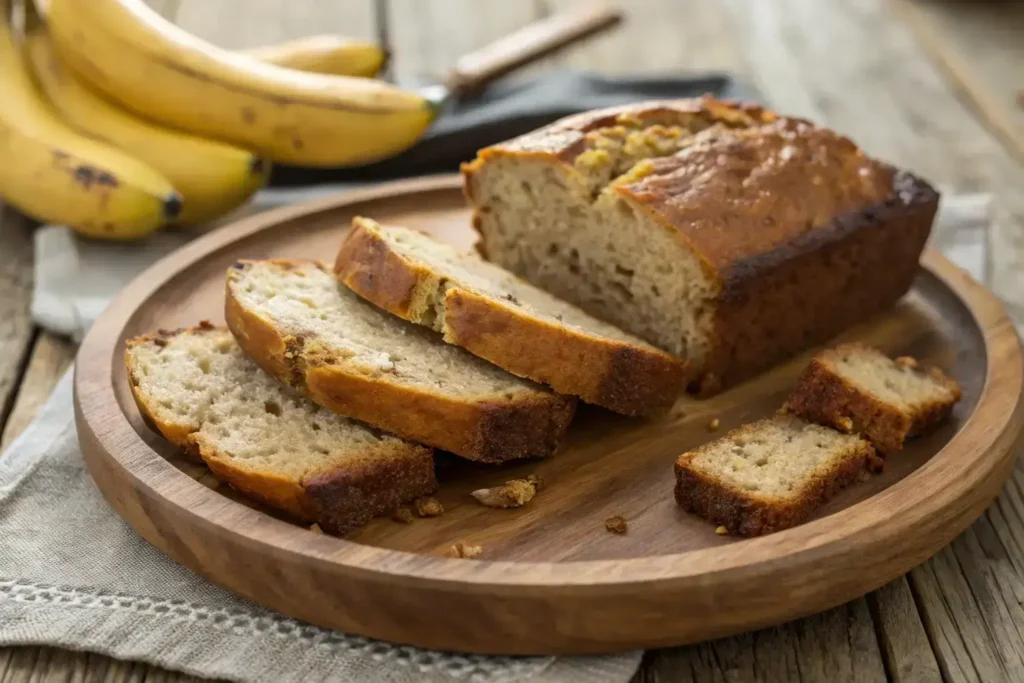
339	500
278	491
747	514
776	209
368	266
617	375
506	429
781	177
565	139
824	396
342	500
841	273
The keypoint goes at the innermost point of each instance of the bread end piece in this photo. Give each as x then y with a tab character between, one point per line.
856	388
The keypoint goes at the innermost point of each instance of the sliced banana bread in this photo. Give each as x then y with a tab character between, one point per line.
308	330
769	475
495	315
203	394
857	388
695	225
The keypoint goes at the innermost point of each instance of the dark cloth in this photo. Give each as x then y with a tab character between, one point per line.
509	108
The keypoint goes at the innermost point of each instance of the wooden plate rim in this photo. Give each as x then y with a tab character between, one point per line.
977	457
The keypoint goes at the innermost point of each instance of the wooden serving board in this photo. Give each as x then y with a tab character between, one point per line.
551	579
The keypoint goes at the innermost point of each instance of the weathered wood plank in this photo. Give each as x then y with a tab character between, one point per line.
22	663
903	638
238	24
51	356
832	647
16	289
659	35
427	36
980	48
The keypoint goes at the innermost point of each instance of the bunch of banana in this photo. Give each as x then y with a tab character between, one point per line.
75	157
52	173
136	58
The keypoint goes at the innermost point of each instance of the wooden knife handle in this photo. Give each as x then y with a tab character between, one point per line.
530	43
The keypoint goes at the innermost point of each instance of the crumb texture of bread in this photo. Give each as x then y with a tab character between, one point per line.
204	394
855	387
497	316
695	224
769	475
305	328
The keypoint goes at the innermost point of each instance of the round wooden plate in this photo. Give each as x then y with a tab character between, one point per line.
551	579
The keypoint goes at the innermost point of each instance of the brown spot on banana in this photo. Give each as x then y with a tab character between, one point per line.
249	115
84	174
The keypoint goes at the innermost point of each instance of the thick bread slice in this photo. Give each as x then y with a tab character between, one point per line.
858	388
302	326
487	310
203	394
769	475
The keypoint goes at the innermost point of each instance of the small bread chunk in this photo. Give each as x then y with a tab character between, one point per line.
495	315
302	326
204	395
769	475
857	388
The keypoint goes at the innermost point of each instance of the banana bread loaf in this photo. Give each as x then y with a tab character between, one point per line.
718	231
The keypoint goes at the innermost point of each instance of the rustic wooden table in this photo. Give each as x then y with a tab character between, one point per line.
931	85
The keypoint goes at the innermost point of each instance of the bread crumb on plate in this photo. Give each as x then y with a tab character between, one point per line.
514	493
403	515
616	525
428	506
466	550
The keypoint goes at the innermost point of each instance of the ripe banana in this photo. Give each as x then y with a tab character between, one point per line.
53	174
212	177
128	51
324	54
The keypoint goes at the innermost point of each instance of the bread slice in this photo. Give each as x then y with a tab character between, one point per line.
858	388
769	475
203	394
487	310
696	224
305	328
